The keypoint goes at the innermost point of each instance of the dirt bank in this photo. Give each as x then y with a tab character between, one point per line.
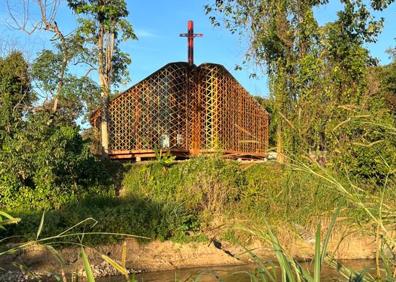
156	255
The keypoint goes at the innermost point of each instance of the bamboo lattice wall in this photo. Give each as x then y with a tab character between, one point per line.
188	110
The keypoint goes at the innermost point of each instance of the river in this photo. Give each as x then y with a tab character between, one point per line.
234	273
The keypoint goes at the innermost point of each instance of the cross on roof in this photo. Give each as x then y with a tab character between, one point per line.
190	41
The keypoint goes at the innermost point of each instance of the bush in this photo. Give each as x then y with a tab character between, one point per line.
133	216
214	188
47	165
175	201
366	151
200	185
283	194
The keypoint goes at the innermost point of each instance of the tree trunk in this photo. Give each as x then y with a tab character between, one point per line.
104	134
105	61
104	125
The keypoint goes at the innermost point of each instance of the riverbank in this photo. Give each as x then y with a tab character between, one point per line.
201	213
203	198
39	260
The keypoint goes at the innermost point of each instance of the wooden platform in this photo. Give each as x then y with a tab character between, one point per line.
140	155
143	155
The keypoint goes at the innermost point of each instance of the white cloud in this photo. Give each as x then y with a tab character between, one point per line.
143	33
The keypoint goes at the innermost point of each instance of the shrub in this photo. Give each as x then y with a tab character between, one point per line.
284	194
179	200
200	185
47	165
366	152
133	216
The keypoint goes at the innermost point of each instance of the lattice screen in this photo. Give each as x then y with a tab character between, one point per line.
191	109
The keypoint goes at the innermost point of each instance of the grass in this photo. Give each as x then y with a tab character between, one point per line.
216	186
186	201
143	217
377	208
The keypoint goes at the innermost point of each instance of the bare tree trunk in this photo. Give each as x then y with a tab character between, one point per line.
62	74
279	92
104	134
105	57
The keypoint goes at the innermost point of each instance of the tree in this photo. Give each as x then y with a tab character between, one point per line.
44	162
48	23
386	76
77	96
316	73
281	33
15	94
103	25
268	105
52	75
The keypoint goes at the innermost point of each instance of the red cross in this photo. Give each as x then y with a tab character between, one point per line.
190	39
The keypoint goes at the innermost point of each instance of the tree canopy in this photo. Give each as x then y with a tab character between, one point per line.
103	25
16	96
319	75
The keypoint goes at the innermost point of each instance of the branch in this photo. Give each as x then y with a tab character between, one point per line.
89	71
22	25
85	63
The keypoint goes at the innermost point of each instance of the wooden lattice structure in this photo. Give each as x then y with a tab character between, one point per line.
186	110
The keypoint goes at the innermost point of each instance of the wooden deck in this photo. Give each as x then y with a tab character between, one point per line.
142	155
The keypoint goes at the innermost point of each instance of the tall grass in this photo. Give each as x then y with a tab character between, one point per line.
59	239
208	193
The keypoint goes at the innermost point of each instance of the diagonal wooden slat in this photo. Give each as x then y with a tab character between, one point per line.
187	109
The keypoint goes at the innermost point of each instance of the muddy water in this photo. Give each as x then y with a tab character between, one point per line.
234	273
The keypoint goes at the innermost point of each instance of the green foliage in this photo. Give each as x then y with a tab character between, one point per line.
200	185
212	188
98	19
103	26
182	200
283	195
318	75
15	94
47	164
178	201
44	163
6	219
87	266
46	69
77	96
384	77
166	159
268	105
130	215
366	152
290	269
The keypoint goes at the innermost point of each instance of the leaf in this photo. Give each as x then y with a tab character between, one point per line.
9	219
284	262
87	266
124	253
5	215
317	258
56	254
328	234
40	226
114	264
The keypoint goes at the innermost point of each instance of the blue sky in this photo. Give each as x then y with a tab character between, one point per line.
158	24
